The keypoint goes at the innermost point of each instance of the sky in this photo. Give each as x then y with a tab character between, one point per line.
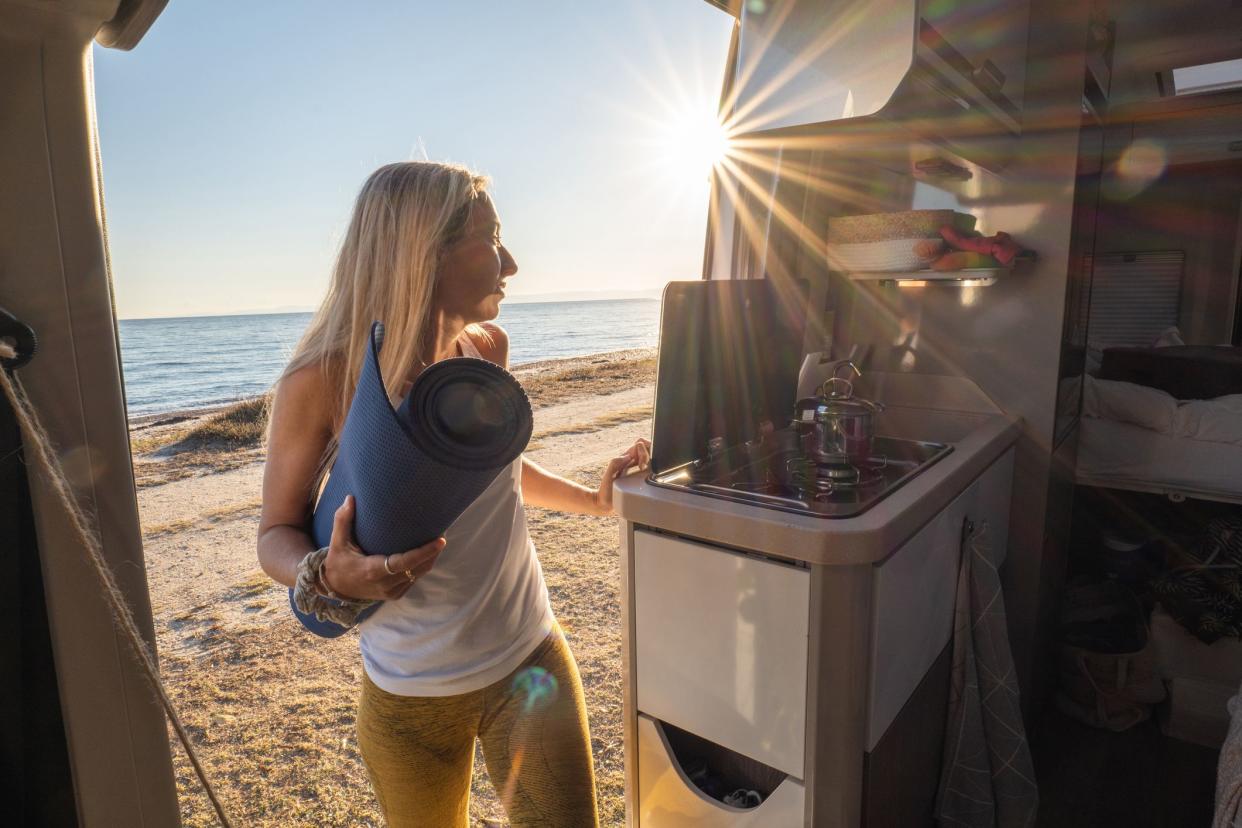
235	136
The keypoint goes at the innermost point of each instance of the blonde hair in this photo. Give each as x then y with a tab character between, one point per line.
404	217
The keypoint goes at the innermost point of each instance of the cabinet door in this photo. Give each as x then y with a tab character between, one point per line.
988	36
721	646
915	594
806	63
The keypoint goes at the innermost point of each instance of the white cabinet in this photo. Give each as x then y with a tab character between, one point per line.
805	62
816	61
979	43
721	646
724	681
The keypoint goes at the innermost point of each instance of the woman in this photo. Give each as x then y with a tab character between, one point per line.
465	645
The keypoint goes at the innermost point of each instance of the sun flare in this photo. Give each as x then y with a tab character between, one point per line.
693	143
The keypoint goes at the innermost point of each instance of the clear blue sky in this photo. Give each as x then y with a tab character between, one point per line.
236	134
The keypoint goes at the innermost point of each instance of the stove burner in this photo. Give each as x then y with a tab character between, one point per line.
839	474
814	479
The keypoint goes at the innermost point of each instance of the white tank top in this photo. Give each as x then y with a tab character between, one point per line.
477	614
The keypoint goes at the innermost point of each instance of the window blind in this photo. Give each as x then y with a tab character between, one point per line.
1134	297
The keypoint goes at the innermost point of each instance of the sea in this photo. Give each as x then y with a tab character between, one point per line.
202	361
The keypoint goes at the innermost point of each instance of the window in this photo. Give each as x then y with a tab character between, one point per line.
1207	77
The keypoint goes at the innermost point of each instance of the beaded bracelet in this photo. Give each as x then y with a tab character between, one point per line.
331	607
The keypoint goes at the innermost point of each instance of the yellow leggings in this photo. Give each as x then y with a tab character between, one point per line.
419	751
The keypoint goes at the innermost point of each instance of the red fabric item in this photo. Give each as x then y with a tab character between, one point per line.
1001	247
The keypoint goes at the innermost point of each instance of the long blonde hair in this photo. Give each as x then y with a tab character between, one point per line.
404	217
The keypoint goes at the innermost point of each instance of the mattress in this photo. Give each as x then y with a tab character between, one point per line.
1125	456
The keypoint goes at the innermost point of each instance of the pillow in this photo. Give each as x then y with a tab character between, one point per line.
1125	402
1212	421
1169	338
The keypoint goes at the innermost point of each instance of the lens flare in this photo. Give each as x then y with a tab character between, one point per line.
535	687
1140	164
693	143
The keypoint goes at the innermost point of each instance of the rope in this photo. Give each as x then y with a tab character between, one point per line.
36	440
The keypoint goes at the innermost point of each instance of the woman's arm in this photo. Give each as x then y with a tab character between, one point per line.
298	434
541	487
301	426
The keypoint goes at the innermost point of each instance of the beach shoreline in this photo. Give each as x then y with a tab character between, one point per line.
523	371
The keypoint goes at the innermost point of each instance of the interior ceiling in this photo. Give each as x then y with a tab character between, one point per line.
1158	35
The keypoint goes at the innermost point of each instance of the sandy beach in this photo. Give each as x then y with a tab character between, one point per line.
270	707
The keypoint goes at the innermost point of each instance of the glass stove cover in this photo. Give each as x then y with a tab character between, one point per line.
770	479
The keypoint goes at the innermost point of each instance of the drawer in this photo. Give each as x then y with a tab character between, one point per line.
668	799
721	646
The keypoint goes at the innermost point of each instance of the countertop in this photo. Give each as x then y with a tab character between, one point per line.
977	440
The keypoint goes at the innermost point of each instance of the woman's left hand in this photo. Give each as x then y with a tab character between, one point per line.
636	456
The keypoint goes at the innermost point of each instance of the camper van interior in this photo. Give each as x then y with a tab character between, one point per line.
944	519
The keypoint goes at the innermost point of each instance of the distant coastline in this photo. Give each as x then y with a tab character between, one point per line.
652	295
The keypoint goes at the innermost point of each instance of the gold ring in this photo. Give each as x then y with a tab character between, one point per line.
386	567
410	575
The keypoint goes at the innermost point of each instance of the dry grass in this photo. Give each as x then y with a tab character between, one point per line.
155	530
602	375
147	443
188	446
241	425
203	520
154	472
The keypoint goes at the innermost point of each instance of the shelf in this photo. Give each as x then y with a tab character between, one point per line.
967	277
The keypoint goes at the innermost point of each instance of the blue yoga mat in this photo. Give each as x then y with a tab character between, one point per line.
414	470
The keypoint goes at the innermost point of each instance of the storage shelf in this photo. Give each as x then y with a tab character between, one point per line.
967	277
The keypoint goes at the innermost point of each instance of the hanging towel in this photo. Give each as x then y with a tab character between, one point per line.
987	778
1229	771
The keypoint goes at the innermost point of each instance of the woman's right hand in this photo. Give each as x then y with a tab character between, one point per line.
351	573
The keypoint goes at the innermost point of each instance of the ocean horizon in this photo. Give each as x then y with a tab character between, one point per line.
192	362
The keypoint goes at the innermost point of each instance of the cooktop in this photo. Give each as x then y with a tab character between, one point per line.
789	481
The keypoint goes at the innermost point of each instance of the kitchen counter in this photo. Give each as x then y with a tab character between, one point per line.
977	440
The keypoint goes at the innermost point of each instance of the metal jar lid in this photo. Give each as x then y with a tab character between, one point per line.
838	400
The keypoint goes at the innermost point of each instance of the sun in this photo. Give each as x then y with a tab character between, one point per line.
692	143
696	143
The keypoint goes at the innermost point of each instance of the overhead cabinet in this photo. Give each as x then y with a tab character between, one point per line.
947	72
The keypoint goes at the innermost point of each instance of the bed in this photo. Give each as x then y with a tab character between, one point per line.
1143	438
1119	455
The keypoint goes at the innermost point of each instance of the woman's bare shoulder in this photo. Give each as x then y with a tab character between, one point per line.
305	394
492	342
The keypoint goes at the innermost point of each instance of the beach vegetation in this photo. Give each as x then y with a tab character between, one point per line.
599	376
241	425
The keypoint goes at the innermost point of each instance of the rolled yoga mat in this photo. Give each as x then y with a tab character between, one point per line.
414	470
